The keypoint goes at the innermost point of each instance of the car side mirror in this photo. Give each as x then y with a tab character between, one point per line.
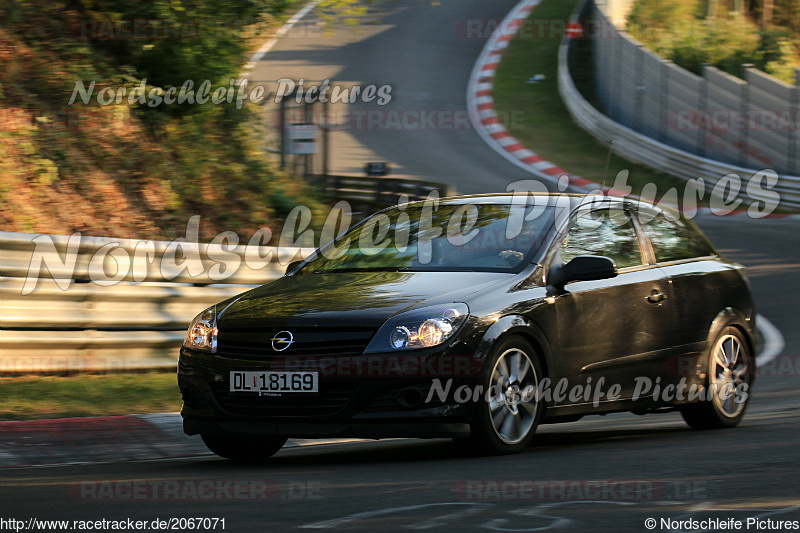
581	268
589	268
291	266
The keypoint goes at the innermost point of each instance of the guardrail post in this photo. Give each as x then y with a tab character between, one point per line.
745	136
336	183
282	121
618	47
378	191
793	136
420	191
640	88
326	130
702	110
663	101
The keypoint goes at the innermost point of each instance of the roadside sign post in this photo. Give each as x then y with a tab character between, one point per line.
303	134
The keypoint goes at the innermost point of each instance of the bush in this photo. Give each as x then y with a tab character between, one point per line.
676	30
120	170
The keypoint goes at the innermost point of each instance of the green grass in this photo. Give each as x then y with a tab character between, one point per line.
37	397
541	121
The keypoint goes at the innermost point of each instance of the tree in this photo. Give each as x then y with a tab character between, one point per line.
766	13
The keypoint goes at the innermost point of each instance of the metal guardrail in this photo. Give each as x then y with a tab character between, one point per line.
77	304
715	115
50	256
650	152
56	318
369	193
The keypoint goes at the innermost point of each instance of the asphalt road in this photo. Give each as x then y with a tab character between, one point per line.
601	474
421	49
607	473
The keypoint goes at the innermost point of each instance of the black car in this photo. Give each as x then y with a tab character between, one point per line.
476	318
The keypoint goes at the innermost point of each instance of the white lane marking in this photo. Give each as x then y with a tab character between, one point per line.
773	341
336	522
445	519
259	54
539	511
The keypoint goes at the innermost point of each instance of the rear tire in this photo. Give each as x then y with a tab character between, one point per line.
507	422
244	448
730	375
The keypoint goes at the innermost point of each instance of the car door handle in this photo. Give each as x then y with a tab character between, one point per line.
656	297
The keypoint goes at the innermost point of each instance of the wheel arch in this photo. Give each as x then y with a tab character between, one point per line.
521	326
732	317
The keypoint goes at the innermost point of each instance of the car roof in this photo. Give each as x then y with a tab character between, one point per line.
576	200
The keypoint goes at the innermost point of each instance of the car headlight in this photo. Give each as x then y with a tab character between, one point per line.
420	328
202	333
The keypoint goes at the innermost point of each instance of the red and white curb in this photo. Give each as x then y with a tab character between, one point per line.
484	118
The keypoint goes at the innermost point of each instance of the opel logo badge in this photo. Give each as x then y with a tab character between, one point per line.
282	340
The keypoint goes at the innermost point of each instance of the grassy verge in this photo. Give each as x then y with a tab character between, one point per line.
37	397
543	122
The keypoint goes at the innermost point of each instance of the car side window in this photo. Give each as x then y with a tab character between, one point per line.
673	241
608	232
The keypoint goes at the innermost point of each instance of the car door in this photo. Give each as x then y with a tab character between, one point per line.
617	328
701	282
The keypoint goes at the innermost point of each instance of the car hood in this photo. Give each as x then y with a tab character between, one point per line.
365	299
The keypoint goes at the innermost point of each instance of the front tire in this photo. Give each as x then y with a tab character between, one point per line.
506	423
244	448
730	375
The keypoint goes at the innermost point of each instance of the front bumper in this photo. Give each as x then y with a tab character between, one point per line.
375	429
348	405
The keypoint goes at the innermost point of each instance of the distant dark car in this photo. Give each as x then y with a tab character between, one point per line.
477	318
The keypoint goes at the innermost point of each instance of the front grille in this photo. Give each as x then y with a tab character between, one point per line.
329	401
326	341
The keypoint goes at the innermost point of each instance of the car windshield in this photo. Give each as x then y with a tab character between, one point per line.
453	237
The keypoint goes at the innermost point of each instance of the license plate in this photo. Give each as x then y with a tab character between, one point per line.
274	381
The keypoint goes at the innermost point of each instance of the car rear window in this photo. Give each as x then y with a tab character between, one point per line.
672	241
